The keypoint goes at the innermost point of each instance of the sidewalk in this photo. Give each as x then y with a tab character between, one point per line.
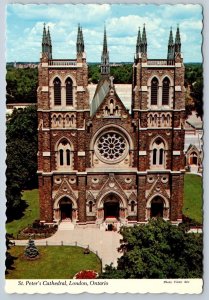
104	243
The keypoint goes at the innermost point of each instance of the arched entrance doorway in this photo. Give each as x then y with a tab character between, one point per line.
157	206
65	205
193	159
111	206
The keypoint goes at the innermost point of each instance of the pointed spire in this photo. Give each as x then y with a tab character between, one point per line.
49	44
105	41
170	41
44	40
82	40
138	42
178	40
105	67
170	55
144	41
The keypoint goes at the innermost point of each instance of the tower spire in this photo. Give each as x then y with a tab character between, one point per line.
79	42
170	55
144	41
49	44
44	40
105	67
138	42
178	40
82	40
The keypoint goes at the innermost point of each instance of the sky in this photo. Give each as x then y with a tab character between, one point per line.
25	27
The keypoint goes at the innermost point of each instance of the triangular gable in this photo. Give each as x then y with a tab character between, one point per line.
100	93
111	106
111	185
157	189
192	148
65	190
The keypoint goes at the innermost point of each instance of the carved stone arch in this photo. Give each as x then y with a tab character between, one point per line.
72	78
151	78
57	200
51	81
169	78
122	200
166	201
158	137
64	138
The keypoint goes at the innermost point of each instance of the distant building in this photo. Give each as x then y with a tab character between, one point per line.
193	146
99	163
19	106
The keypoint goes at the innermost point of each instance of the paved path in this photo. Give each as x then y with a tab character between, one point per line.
104	242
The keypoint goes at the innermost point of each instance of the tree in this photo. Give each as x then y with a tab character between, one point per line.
21	158
158	250
197	93
22	85
9	258
31	251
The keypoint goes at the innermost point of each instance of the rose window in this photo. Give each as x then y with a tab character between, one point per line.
111	146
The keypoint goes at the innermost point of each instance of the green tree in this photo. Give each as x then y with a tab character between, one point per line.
158	250
22	85
31	251
197	93
21	158
9	258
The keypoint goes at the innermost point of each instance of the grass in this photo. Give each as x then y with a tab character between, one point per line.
55	262
31	213
193	197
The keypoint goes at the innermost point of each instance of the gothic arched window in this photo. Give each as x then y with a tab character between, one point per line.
154	91
165	96
64	154
90	206
69	91
158	152
132	205
57	91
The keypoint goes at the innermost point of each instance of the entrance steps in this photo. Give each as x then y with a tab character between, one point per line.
193	169
66	225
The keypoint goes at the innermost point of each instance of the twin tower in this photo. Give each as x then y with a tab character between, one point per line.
141	46
99	163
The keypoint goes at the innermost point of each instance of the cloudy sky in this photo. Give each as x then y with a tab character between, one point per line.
25	26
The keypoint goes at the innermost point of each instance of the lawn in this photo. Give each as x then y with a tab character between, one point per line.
31	213
55	262
193	197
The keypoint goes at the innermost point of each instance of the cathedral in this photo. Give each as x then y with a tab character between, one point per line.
98	162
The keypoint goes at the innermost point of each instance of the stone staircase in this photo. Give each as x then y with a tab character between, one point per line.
66	225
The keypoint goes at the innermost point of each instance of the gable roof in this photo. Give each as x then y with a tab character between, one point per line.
102	90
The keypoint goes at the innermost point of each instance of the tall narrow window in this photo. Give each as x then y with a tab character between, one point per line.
132	205
57	91
90	206
68	157
161	157
154	91
165	96
154	156
61	157
64	154
69	91
158	152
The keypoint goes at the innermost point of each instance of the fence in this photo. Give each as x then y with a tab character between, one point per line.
59	243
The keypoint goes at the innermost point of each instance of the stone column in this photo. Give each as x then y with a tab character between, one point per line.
82	199
141	201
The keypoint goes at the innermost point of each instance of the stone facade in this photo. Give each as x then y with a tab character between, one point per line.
98	162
